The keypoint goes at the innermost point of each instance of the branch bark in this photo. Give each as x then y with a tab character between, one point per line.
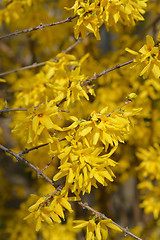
102	216
19	157
40	64
83	205
89	80
40	27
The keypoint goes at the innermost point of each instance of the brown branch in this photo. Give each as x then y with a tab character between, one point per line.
84	83
102	216
89	80
73	45
83	205
18	157
37	147
31	149
40	64
48	164
105	72
6	110
34	65
40	27
124	104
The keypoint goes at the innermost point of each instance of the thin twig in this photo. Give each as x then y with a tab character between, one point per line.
27	150
40	27
124	104
84	83
31	149
18	157
40	64
34	65
48	164
83	205
6	110
101	215
73	45
89	80
105	72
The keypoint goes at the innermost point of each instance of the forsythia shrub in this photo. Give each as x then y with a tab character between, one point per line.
90	139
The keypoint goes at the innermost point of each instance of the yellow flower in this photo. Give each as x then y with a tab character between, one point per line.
81	163
103	128
2	80
125	12
38	123
75	91
49	209
92	14
66	80
150	197
96	228
150	162
83	167
89	18
148	58
149	174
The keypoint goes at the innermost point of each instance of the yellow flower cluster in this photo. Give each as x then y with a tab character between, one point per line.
148	58
150	199
96	228
61	81
149	171
150	162
108	129
61	231
83	167
80	162
65	80
13	10
50	209
38	124
93	13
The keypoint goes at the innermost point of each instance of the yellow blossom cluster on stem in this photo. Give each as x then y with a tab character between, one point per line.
149	174
81	163
148	58
83	168
60	123
93	13
38	123
49	208
96	228
60	80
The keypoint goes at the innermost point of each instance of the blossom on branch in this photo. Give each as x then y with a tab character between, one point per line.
37	125
93	13
148	58
50	209
96	228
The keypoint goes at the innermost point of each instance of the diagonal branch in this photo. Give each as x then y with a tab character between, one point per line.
40	27
102	216
33	148
34	65
83	205
37	147
19	157
89	80
6	110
